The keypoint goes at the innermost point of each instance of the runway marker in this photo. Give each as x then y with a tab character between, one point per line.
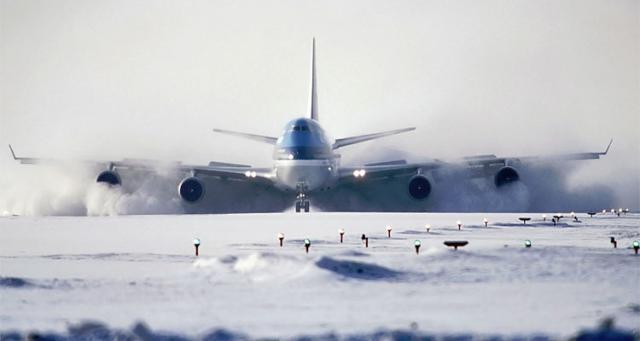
389	231
307	245
614	242
524	219
486	222
636	246
428	226
456	243
459	225
281	238
196	244
417	243
527	243
591	214
341	232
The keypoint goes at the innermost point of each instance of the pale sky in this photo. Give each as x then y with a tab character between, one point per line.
149	79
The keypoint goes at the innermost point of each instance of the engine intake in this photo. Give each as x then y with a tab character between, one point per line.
191	189
110	178
419	187
505	176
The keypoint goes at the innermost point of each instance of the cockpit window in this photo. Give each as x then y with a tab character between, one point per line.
300	128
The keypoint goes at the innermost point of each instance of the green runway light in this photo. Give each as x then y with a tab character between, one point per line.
417	244
527	243
636	244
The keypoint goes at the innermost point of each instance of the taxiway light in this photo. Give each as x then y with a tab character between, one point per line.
527	243
196	244
307	245
281	238
626	210
486	222
428	227
636	246
417	244
459	223
544	217
389	231
604	211
614	242
573	214
341	232
613	211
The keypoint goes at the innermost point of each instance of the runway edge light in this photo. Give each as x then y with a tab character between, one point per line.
196	244
417	244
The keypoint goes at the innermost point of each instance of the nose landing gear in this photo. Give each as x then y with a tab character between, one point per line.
302	203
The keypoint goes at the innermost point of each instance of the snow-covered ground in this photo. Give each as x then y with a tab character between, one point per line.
58	271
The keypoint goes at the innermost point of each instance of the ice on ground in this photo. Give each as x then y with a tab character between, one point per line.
60	271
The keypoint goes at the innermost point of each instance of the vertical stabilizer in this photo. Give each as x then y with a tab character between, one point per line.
313	93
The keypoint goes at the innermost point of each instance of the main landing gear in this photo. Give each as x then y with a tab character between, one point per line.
302	203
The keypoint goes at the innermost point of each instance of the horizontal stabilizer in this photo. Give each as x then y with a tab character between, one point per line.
259	138
362	138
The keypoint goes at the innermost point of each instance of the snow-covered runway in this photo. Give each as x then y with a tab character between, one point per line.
58	271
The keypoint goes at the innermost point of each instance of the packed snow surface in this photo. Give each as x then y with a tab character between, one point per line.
59	271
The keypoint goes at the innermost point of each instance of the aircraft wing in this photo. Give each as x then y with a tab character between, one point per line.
382	170
220	170
474	166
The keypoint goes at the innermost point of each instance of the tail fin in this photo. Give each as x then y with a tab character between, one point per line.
313	94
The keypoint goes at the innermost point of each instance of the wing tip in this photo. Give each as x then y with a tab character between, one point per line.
13	154
608	146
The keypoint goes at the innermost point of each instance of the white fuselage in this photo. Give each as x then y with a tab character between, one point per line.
303	157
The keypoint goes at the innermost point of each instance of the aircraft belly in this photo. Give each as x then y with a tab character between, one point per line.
314	174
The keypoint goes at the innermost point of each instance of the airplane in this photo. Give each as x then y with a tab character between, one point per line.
305	162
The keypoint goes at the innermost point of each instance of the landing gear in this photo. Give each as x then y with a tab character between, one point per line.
302	203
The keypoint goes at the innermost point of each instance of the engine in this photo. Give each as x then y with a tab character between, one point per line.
191	189
505	176
110	178
419	187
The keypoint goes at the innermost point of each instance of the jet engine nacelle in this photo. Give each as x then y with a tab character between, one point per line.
110	178
419	187
505	176
191	189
